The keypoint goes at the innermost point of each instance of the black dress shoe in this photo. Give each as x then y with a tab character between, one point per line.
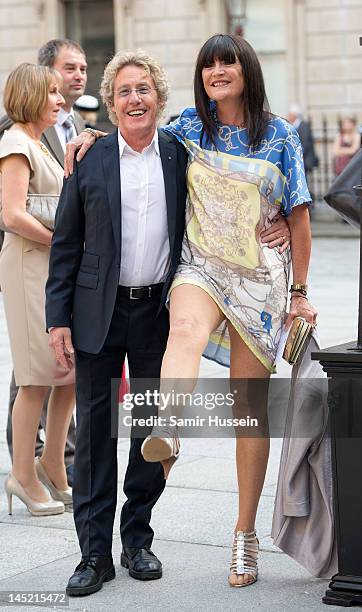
141	563
89	576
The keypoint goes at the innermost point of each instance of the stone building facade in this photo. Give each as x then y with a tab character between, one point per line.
309	49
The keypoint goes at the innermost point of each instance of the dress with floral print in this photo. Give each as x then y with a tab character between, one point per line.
234	192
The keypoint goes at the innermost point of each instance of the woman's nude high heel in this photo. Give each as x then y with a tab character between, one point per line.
63	496
162	445
36	508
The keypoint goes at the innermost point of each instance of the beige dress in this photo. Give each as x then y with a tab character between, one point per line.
23	275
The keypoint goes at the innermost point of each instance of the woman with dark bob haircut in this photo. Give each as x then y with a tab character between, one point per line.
228	300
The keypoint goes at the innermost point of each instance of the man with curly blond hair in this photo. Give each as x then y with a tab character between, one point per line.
116	246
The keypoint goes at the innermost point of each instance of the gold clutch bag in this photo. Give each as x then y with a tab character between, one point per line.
297	337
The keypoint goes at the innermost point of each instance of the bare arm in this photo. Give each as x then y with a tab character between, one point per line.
299	225
355	145
351	149
15	183
277	235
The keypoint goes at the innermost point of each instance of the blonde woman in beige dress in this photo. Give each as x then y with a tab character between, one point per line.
32	100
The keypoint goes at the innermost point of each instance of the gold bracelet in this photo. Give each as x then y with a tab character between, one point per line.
299	287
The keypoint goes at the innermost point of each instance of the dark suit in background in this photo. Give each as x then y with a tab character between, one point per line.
295	117
306	139
52	142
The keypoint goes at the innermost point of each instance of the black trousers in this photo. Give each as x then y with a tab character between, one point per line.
137	332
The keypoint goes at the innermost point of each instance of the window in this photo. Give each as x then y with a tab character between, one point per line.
91	24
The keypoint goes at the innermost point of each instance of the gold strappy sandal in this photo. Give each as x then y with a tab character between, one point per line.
244	558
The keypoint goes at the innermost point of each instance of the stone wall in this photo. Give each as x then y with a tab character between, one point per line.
323	56
172	31
18	35
24	26
326	58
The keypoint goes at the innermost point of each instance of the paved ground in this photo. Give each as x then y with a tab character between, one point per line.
194	519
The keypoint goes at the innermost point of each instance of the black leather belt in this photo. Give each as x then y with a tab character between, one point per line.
139	293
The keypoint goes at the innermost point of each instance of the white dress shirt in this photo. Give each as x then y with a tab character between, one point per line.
59	128
145	251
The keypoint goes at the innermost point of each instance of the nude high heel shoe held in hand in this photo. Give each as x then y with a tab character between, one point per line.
162	445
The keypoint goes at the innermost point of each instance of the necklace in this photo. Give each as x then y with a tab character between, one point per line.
45	150
220	125
37	142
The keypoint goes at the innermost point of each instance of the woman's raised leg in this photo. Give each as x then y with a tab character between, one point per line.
193	316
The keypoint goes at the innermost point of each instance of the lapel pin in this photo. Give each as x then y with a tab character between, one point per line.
169	157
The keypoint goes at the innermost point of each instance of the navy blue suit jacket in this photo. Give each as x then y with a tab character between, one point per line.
85	254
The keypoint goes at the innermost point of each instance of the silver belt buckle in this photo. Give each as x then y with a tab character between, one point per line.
131	296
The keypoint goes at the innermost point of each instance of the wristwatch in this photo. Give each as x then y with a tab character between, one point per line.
299	287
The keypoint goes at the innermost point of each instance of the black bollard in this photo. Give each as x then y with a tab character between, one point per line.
343	365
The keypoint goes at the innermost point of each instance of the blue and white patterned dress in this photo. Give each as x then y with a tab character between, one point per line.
233	194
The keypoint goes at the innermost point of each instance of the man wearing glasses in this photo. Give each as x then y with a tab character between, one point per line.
115	249
116	246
